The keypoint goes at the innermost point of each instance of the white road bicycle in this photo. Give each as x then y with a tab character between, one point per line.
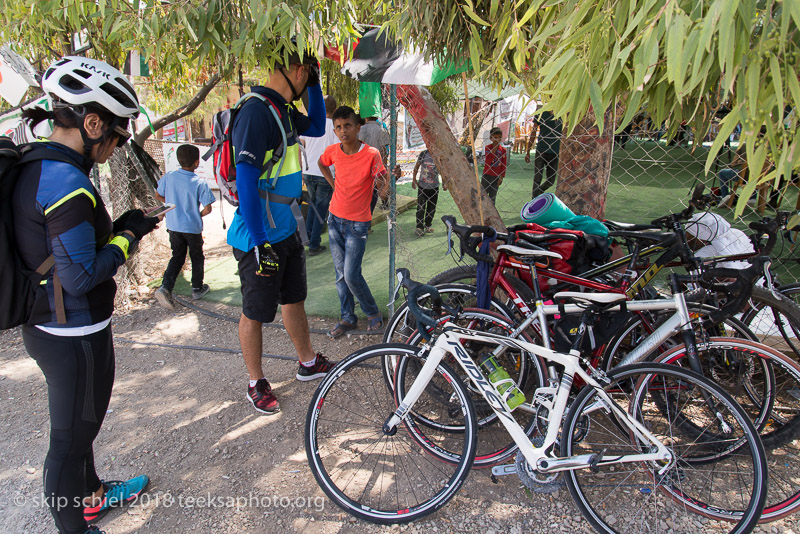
643	448
765	382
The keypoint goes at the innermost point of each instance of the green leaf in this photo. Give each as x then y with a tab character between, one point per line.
262	23
726	33
794	85
596	96
641	58
471	14
675	59
493	8
775	70
794	9
726	127
529	13
552	68
475	55
752	83
186	24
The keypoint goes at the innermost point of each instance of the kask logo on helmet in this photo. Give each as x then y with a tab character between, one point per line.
94	69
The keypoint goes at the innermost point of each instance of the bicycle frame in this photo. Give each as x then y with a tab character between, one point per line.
449	342
681	319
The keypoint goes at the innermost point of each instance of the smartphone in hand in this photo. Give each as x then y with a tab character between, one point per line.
160	211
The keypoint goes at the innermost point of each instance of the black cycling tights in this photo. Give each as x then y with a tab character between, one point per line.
80	374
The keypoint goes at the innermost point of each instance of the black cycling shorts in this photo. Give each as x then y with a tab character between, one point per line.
262	294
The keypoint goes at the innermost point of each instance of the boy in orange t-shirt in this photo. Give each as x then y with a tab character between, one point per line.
358	168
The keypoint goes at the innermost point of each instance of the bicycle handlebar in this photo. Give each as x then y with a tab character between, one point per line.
469	243
741	288
770	227
698	201
415	290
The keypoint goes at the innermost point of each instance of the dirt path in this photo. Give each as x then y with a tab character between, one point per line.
178	414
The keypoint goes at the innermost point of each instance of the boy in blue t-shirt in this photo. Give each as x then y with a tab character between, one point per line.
192	198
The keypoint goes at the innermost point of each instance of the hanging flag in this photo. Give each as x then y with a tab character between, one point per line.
369	99
136	65
16	75
377	59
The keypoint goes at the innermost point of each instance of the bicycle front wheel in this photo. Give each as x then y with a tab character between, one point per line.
666	496
775	319
766	383
378	476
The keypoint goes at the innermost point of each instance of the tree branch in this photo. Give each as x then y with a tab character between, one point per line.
182	111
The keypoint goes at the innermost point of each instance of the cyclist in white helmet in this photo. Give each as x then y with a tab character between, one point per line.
58	212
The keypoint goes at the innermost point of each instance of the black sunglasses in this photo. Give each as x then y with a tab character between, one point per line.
123	134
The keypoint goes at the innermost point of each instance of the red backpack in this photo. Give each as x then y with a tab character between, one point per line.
579	255
222	147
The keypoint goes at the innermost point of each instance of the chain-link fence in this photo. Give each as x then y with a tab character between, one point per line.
127	182
650	177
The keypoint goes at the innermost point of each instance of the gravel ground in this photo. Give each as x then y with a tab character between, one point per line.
178	414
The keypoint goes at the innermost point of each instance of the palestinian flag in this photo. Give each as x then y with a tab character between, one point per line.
377	59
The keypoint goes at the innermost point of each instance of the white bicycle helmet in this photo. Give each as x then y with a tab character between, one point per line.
79	81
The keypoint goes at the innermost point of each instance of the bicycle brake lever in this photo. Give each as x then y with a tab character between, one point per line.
449	239
768	277
397	287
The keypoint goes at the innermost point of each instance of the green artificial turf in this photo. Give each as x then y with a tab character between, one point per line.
648	179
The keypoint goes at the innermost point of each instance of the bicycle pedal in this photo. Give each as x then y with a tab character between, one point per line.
502	470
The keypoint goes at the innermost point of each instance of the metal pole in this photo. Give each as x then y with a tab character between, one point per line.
392	220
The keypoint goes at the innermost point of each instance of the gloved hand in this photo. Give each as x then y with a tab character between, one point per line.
119	224
138	224
266	260
313	75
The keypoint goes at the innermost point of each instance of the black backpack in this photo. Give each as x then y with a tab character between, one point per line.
18	285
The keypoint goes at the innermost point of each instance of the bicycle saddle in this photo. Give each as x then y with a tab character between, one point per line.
514	250
598	298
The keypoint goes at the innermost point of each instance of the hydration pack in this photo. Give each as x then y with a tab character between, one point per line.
222	147
20	285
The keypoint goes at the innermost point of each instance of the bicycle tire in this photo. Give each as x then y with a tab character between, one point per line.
465	274
648	494
345	462
774	412
775	319
401	325
528	371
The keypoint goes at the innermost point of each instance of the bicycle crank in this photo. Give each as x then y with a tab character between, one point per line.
535	481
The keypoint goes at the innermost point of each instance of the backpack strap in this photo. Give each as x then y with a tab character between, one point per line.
279	154
293	204
30	153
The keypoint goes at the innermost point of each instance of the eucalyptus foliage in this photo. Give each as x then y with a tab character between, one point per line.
681	60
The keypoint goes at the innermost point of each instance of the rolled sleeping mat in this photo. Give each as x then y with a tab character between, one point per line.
546	208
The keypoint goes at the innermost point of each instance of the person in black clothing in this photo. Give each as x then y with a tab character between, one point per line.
58	212
547	149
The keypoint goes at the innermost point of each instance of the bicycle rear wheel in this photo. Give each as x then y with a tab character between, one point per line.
386	478
464	274
720	474
637	329
766	383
